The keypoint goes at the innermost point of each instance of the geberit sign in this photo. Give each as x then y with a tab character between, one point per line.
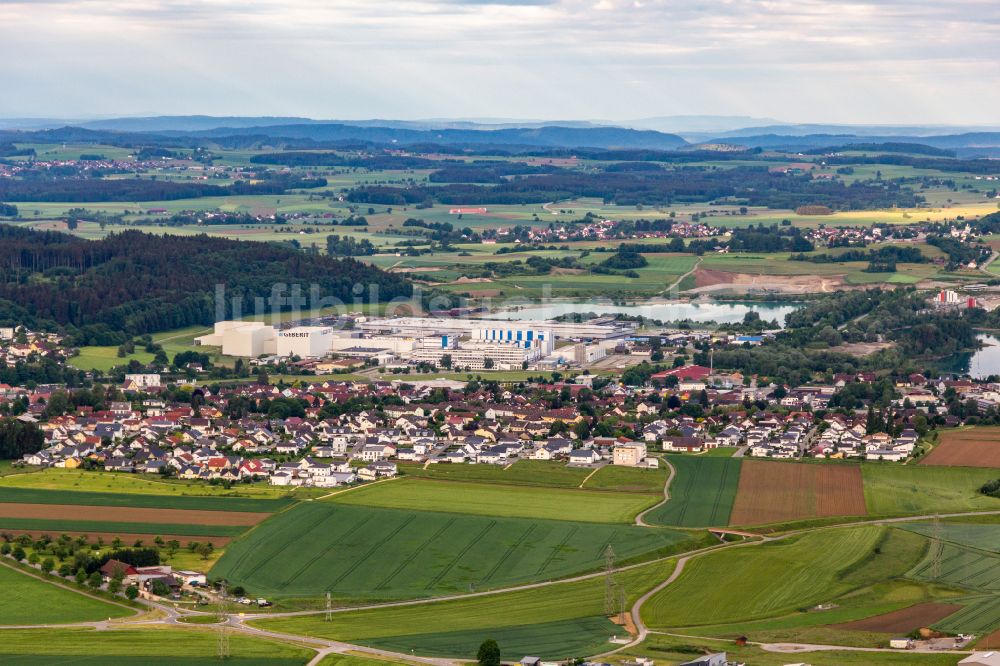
295	335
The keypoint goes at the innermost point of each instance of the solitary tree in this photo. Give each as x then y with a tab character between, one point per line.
489	653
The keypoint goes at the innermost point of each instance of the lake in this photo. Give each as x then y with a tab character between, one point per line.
981	363
666	311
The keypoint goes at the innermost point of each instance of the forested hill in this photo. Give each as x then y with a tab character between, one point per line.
105	291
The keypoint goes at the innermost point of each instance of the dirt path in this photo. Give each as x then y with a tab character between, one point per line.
587	478
678	281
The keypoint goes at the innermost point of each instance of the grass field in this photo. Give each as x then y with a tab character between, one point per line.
141	647
701	494
756	582
364	552
628	479
892	489
74	480
571	615
675	650
506	501
56	526
27	600
522	473
37	495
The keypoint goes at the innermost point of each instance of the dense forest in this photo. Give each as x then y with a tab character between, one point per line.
135	189
105	291
748	185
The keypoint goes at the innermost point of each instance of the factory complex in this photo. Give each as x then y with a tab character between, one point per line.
466	344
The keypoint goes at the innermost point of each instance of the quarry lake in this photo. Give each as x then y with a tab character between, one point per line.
665	311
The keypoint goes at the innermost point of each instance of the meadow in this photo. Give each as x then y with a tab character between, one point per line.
34	495
521	473
133	646
628	479
701	494
502	501
896	490
111	484
360	552
28	600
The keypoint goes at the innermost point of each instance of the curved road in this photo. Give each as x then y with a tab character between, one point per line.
640	517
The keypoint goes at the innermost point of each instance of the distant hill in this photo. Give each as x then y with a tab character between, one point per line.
972	144
547	137
188	123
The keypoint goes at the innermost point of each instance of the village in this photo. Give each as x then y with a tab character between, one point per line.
379	424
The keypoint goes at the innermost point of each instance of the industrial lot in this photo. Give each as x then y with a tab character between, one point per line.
462	344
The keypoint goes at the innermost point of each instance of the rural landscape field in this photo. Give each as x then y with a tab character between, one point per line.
499	333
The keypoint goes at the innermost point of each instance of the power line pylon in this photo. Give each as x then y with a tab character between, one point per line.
329	607
222	643
936	544
610	596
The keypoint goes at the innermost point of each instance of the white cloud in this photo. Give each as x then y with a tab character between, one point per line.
861	61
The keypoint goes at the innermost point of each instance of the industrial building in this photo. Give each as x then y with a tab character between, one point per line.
478	355
604	329
305	341
521	337
248	339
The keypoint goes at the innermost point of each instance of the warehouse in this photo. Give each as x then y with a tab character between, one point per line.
305	341
247	339
421	326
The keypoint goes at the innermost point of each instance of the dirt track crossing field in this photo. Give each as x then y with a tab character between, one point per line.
904	620
129	515
775	492
975	447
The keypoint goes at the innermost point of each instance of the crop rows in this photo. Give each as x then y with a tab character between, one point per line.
368	552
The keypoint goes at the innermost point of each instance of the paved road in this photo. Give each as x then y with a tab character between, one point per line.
640	518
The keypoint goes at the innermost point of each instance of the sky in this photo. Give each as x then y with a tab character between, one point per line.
877	61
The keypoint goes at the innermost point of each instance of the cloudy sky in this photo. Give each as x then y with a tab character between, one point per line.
855	61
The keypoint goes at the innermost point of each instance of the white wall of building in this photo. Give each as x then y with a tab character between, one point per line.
306	341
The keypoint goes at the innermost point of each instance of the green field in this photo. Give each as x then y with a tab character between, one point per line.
521	473
756	582
140	647
628	479
29	495
960	566
979	616
893	490
27	600
570	613
701	494
506	501
983	536
371	553
78	480
675	650
50	526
